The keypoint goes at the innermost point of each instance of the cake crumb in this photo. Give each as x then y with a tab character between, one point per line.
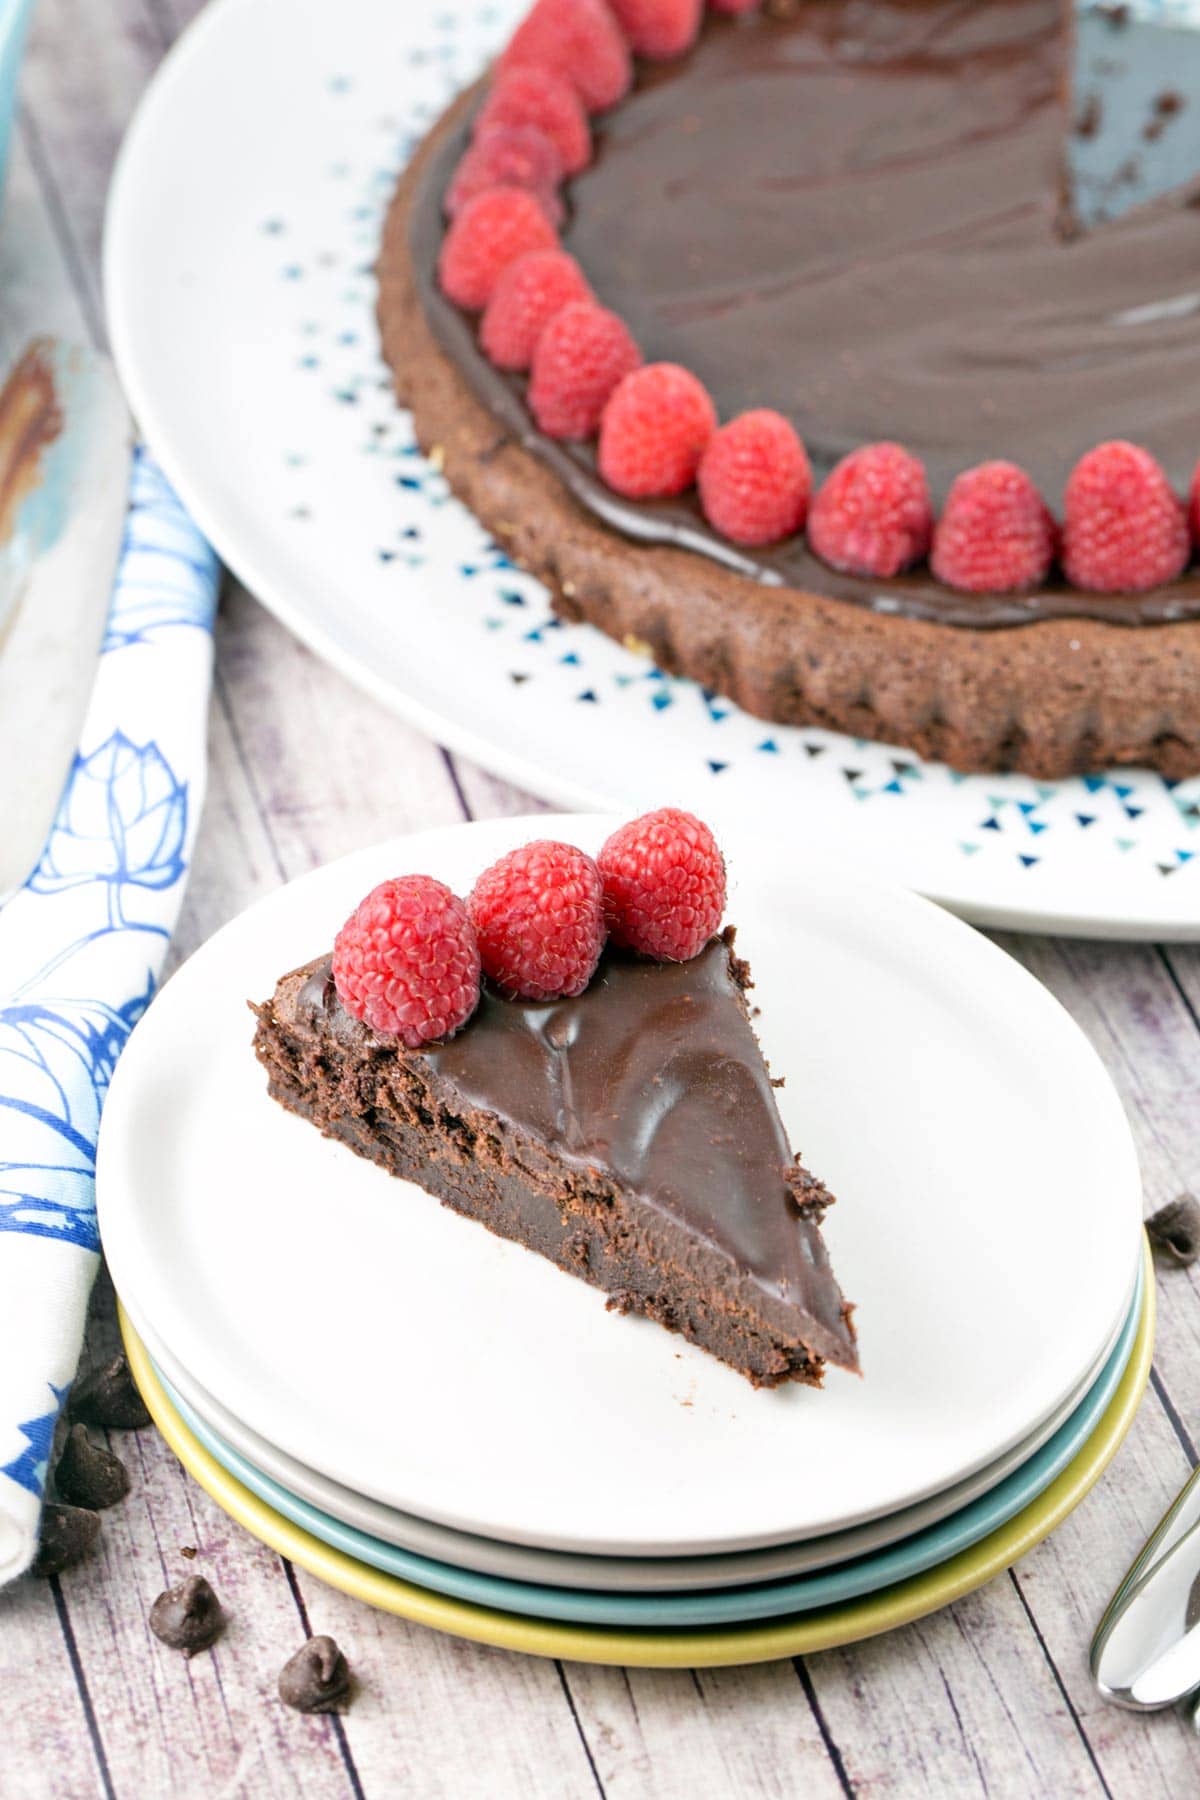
1087	125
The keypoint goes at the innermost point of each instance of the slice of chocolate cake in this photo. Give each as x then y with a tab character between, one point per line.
629	1134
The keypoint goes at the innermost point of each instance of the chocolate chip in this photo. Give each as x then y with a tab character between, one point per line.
68	1534
108	1398
316	1679
89	1475
188	1550
187	1617
1175	1229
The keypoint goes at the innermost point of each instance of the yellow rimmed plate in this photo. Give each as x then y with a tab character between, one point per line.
800	1635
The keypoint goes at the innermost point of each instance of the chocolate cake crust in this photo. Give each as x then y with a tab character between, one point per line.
630	1136
1050	698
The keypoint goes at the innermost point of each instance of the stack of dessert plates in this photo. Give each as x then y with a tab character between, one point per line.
445	1425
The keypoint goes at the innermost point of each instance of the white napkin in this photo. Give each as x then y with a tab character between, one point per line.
81	946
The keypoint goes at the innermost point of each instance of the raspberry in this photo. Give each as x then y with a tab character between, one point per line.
407	962
1124	528
578	39
519	156
1194	504
582	354
664	884
523	94
754	479
995	535
526	298
873	515
490	232
659	29
654	431
539	915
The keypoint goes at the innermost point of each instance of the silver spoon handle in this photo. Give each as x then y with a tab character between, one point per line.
1146	1651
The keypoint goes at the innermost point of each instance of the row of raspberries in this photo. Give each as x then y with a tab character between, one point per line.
410	958
1123	527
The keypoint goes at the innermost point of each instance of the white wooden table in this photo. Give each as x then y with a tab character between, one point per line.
988	1698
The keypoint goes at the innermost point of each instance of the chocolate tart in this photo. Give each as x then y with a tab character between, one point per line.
630	1135
854	213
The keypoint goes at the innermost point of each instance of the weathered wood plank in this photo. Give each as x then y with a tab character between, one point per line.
235	861
332	769
485	796
673	1735
1126	1000
173	16
85	67
1183	965
960	1703
47	1744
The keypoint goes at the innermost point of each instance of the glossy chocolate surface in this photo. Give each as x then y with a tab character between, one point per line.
855	214
653	1073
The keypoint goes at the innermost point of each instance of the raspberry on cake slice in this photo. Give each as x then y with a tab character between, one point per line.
568	1058
407	962
664	885
538	914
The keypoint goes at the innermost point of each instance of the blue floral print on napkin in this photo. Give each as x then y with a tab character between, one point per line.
81	947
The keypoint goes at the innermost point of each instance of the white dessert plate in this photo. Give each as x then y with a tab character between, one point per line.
613	1574
242	230
987	1226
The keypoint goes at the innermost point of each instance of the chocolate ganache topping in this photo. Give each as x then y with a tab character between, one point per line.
654	1073
854	214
